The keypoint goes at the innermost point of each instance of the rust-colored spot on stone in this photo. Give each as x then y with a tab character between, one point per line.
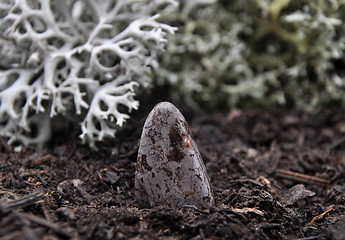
144	163
167	171
139	163
176	143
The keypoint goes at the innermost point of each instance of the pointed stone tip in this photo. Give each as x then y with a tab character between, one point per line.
163	116
166	106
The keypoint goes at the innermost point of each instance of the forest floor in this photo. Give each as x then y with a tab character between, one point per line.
276	174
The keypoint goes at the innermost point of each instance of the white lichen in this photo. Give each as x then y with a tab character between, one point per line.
70	58
262	52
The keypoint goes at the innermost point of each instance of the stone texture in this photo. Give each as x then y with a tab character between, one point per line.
170	170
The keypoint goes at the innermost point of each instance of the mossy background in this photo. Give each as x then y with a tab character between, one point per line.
256	53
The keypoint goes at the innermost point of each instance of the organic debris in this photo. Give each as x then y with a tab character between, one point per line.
71	192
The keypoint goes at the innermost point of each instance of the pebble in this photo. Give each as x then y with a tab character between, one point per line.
170	171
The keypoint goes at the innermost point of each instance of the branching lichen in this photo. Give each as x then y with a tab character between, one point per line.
263	52
89	58
71	58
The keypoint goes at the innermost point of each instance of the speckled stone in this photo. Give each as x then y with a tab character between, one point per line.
169	169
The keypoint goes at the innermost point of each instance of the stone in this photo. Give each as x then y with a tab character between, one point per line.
170	171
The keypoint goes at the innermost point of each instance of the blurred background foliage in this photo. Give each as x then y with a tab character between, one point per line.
256	53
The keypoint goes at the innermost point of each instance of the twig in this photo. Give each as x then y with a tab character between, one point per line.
7	206
248	210
198	209
11	206
313	237
12	235
42	222
9	192
321	215
264	181
299	177
40	160
246	180
41	179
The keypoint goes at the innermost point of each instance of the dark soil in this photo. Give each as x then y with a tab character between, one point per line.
276	174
